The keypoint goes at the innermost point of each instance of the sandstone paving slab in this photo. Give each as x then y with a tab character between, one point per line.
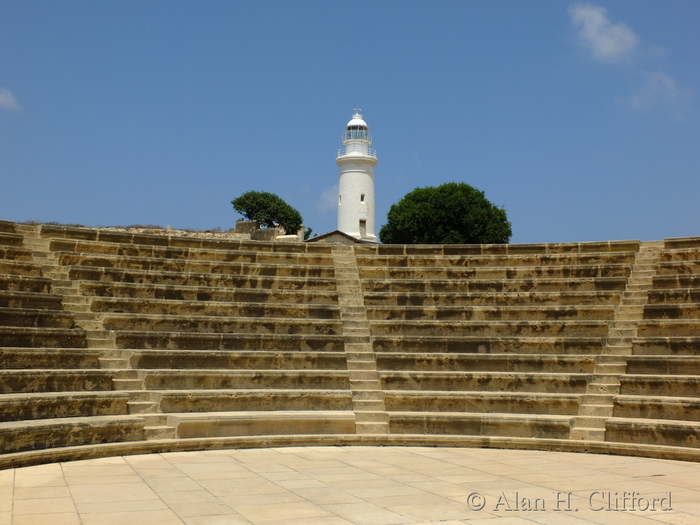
151	473
235	487
215	471
190	496
161	517
184	510
229	519
515	520
430	513
104	507
539	478
380	488
273	513
79	471
273	499
112	492
304	483
367	514
336	476
68	518
411	478
283	475
441	488
325	495
40	480
173	485
41	492
64	505
325	520
103	479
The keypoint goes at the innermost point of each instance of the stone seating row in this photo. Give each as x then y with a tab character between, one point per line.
192	282
156	264
494	285
499	261
496	273
23	436
211	308
467	299
111	236
366	250
222	253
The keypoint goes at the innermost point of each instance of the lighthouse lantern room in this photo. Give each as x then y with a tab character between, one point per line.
356	186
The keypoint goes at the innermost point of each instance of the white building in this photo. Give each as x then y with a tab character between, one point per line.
356	186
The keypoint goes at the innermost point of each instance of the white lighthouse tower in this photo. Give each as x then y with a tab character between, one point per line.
356	186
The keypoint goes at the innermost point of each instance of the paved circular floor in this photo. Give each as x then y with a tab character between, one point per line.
365	485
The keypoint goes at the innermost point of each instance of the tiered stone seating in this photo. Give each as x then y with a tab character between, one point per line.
226	339
114	343
659	401
53	392
490	340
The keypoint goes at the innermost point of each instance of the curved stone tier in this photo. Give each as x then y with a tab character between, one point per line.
118	343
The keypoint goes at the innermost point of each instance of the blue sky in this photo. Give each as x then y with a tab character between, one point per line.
580	119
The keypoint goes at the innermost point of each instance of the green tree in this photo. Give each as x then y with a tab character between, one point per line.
268	210
453	213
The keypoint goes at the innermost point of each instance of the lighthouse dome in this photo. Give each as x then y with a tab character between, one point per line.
357	122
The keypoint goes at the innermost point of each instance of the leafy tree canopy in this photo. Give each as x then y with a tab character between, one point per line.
453	213
268	210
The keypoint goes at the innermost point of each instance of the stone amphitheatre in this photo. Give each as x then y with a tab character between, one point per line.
119	343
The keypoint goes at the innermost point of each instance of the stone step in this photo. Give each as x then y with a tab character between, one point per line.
142	407
637	300
365	384
587	434
127	384
630	316
366	416
99	344
160	432
611	368
371	428
363	375
601	411
360	356
357	364
126	374
589	422
141	396
368	405
117	363
604	388
359	395
156	419
597	399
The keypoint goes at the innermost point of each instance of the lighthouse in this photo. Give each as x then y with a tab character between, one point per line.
356	161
